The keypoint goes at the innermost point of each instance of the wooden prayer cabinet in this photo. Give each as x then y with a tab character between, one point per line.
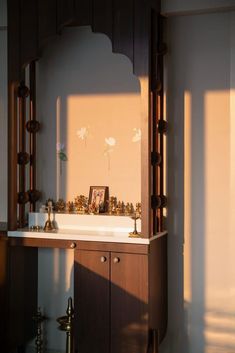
120	293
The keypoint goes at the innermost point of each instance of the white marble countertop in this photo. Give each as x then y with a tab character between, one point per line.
71	234
100	228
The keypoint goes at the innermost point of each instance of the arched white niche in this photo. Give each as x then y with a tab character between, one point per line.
88	101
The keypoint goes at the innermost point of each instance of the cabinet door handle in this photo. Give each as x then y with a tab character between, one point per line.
103	259
116	260
73	245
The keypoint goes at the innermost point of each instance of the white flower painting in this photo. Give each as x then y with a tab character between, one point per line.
110	143
82	133
137	135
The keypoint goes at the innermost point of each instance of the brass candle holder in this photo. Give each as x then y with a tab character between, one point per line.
49	226
66	324
135	233
39	318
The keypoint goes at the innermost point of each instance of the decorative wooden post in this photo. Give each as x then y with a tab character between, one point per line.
158	124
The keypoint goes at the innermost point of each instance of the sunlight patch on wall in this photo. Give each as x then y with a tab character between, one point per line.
217	191
99	143
219	331
219	222
187	196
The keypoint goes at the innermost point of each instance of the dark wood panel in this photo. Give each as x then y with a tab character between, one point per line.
22	294
141	37
78	244
46	21
65	13
129	303
13	36
28	31
123	27
42	243
158	285
102	17
83	12
3	289
120	247
91	297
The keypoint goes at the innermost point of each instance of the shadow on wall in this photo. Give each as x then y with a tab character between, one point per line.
200	184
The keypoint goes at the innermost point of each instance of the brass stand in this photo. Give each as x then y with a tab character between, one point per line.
39	318
66	324
49	224
135	233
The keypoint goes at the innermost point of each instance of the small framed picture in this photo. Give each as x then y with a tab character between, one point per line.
98	198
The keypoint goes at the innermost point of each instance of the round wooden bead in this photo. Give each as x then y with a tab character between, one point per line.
32	126
23	91
162	126
23	158
34	195
23	197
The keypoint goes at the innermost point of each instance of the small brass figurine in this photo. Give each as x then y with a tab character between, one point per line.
36	228
112	205
135	233
39	318
60	206
132	211
69	207
120	208
66	324
49	224
93	208
81	204
138	208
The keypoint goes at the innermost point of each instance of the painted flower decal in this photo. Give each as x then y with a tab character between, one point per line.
137	135
82	133
60	148
110	143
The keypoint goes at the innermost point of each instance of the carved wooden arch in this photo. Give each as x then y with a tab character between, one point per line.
132	28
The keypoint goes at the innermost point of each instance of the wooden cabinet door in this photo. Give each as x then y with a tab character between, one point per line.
129	303
91	301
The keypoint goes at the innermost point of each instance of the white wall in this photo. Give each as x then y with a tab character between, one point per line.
201	101
3	112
